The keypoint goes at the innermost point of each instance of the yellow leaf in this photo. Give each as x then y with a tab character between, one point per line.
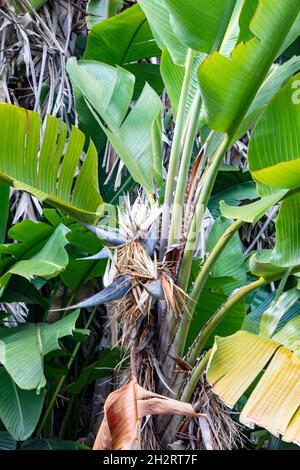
236	361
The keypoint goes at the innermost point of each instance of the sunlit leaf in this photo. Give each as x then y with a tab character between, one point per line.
28	164
254	211
232	370
275	145
229	85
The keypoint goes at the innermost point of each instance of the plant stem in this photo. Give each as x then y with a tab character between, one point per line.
219	316
199	283
208	183
176	220
282	284
62	379
175	421
175	151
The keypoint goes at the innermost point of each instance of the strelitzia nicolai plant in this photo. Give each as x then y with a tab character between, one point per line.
218	69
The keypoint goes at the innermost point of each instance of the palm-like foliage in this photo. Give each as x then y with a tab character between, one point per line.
167	302
46	168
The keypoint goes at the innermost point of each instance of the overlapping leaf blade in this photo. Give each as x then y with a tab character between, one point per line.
274	402
37	340
286	252
122	39
36	167
206	32
47	263
229	85
254	211
275	145
137	139
19	409
272	316
99	10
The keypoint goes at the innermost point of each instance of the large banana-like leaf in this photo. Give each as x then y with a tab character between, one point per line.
174	26
275	145
32	165
206	33
122	39
278	307
158	17
22	349
286	252
261	305
47	263
278	76
248	10
99	10
229	85
238	360
255	210
4	204
20	409
137	139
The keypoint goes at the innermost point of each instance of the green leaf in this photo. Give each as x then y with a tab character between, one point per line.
79	272
207	305
275	144
206	33
100	10
7	442
248	10
49	262
173	74
138	139
36	4
37	340
261	265
232	195
4	204
31	237
20	290
158	17
231	262
19	409
229	85
272	316
46	177
289	335
251	212
260	303
143	73
286	252
103	367
122	39
109	89
278	76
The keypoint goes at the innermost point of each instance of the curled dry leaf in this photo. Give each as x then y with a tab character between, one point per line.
124	410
